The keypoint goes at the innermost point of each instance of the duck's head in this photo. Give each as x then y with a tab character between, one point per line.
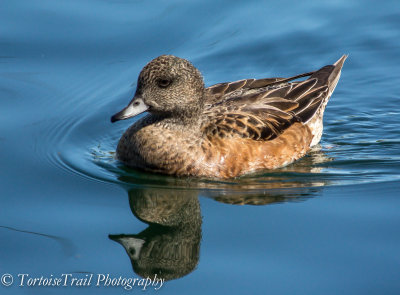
167	85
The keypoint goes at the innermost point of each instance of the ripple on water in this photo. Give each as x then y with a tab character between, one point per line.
87	147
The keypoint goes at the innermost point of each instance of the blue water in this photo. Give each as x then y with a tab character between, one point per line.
327	224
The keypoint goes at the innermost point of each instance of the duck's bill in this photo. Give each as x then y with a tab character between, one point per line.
135	107
131	243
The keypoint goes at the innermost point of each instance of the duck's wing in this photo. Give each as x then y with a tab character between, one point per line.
263	113
222	91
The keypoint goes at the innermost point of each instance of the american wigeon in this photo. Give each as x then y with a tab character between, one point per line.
225	130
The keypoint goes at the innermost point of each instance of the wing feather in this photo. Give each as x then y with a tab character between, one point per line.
261	109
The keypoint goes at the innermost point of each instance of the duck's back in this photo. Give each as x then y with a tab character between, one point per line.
263	109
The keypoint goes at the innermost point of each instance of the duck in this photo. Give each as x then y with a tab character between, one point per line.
226	130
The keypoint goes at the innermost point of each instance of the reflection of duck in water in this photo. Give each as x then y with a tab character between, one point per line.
226	130
170	246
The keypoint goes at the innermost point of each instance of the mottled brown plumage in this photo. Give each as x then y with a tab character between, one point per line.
226	130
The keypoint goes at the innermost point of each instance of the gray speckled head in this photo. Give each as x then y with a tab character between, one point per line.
169	84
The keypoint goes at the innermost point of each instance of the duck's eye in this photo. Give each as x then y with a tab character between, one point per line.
163	83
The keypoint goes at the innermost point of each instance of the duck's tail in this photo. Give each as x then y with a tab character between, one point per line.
329	75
